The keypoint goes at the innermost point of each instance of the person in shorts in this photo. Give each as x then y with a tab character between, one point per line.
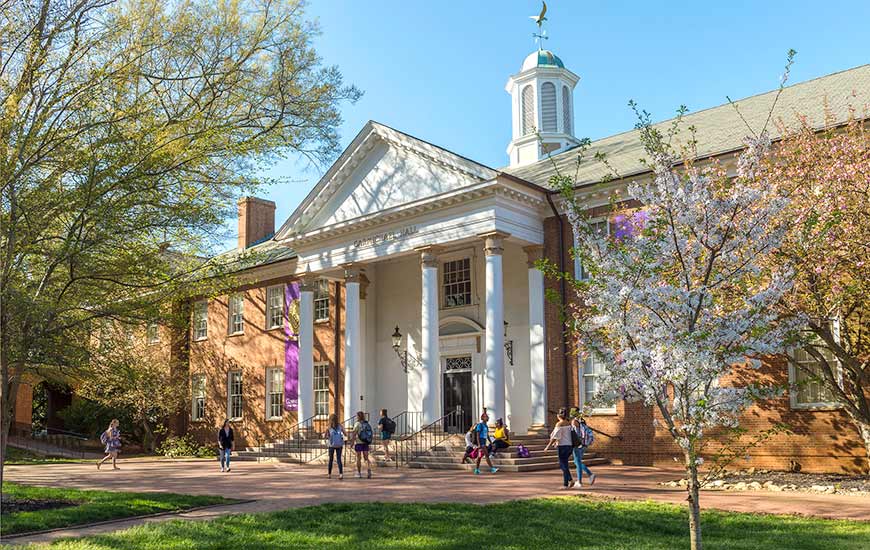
387	427
361	437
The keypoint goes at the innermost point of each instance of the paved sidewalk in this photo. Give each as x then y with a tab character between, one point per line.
280	486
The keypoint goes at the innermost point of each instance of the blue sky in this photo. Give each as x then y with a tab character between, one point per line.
437	70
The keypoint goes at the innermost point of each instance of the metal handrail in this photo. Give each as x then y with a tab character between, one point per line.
426	438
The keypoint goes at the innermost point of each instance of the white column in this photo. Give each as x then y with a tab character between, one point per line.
493	383
537	364
352	342
306	349
429	351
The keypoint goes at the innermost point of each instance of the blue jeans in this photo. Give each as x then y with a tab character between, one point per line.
578	463
225	458
335	452
564	456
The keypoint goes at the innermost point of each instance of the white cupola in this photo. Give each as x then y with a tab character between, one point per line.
542	103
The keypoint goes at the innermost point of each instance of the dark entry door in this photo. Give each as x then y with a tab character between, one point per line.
457	395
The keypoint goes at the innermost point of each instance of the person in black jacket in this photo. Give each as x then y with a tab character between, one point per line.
225	443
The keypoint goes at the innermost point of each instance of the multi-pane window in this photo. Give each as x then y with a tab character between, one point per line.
456	283
152	333
591	370
197	390
321	389
200	320
274	393
275	306
810	388
234	395
237	314
321	300
600	228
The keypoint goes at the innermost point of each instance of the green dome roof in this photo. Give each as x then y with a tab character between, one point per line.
542	58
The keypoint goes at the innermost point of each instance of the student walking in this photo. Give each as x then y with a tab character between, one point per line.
225	444
481	439
111	438
469	444
387	427
561	437
586	437
335	437
362	438
502	437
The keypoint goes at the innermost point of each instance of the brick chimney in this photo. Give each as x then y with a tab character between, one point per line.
256	221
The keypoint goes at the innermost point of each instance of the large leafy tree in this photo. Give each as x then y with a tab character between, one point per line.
128	125
827	174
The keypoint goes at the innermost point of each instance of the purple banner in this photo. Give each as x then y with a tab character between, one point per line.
291	349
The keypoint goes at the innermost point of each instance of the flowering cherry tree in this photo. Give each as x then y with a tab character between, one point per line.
827	175
682	292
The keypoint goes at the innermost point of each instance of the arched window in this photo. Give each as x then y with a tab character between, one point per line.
528	107
548	107
566	110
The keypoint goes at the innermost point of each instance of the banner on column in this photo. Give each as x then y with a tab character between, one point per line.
291	347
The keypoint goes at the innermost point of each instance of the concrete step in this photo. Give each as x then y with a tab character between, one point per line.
501	459
553	465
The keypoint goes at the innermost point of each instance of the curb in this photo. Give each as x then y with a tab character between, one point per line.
119	520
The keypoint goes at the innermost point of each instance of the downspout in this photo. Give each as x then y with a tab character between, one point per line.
563	294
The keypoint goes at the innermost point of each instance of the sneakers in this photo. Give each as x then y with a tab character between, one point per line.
328	476
359	475
493	470
223	469
477	471
592	479
340	476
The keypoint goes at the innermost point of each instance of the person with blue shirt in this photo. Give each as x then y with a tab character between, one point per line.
481	437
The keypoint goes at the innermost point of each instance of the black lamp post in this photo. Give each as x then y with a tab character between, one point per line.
508	345
402	353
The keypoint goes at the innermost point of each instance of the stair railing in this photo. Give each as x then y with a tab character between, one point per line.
290	440
426	438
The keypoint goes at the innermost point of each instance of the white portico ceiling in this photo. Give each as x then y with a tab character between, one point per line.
381	170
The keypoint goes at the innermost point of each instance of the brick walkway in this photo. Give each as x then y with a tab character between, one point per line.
280	486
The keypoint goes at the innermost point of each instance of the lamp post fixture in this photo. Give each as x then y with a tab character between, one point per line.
402	354
508	345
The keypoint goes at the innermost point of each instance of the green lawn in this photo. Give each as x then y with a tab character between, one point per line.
563	523
92	506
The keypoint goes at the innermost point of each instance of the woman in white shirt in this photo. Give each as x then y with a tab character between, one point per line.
561	437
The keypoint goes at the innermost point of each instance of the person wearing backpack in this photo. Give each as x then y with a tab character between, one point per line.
564	438
362	437
335	437
387	426
111	438
586	437
481	440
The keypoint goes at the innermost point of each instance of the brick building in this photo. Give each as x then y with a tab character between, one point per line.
407	252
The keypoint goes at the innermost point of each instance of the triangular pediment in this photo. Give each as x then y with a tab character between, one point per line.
382	169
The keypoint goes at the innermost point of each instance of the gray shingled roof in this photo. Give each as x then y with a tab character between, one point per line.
719	129
267	252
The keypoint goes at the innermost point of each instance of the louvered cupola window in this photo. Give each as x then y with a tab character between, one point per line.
566	110
528	107
548	107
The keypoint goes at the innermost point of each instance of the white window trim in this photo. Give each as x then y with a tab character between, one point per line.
602	411
315	390
268	416
578	265
792	381
328	299
230	395
193	417
268	308
195	306
230	331
151	341
472	264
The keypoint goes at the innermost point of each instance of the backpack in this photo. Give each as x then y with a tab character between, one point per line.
588	437
365	433
522	452
575	438
389	425
104	439
336	438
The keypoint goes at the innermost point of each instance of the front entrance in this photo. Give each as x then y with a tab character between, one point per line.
457	392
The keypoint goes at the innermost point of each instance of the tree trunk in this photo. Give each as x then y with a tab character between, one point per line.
694	490
864	430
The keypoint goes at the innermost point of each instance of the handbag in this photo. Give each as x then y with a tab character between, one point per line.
575	438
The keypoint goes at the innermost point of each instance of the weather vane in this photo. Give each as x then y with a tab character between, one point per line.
539	19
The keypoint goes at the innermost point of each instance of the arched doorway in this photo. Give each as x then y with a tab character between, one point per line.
460	369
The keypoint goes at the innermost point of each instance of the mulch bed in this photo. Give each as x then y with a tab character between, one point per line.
11	505
777	481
